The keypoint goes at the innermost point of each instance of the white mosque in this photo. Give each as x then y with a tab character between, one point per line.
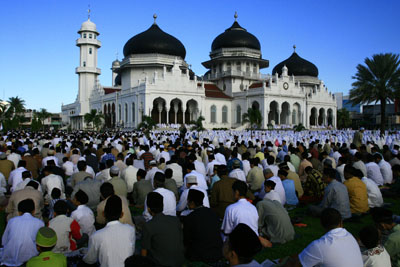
154	79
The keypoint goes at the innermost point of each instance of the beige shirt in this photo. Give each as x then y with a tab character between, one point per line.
18	196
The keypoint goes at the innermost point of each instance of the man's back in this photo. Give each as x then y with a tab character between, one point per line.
140	190
221	195
163	239
19	239
337	197
255	178
111	245
120	187
358	195
202	236
336	248
17	196
6	166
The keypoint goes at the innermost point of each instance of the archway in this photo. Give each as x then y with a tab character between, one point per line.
321	117
273	113
285	113
191	111
175	114
296	114
159	113
330	117
313	117
255	105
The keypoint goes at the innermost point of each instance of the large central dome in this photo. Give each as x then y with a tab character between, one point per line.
154	40
235	36
297	66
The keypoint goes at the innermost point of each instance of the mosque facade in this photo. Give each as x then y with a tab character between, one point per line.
154	79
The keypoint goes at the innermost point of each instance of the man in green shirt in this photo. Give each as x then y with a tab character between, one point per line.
46	239
384	219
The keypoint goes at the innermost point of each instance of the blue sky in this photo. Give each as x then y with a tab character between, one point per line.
38	53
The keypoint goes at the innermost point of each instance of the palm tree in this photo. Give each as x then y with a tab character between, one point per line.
93	117
198	124
254	117
42	115
17	106
147	122
377	80
343	118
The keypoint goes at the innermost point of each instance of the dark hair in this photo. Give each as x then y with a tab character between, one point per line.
155	202
196	196
221	170
245	242
26	205
55	193
308	169
159	179
82	197
168	173
330	218
283	172
22	163
61	207
139	261
81	165
33	183
109	163
240	186
106	190
142	173
113	208
269	183
26	174
330	172
270	160
129	161
369	236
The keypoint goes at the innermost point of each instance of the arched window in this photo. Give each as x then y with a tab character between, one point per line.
84	35
294	117
90	51
84	63
133	112
224	114
126	112
90	36
213	114
239	114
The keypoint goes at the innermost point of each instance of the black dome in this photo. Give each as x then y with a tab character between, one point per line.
154	40
297	66
235	36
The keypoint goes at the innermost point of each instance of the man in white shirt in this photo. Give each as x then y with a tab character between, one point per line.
51	181
129	174
268	175
385	168
14	157
114	243
83	214
246	163
19	238
191	185
359	164
68	167
210	166
240	212
16	175
50	156
374	194
177	173
270	193
237	173
152	171
373	171
201	181
169	200
336	248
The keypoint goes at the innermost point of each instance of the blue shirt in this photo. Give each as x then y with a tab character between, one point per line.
107	157
290	192
230	163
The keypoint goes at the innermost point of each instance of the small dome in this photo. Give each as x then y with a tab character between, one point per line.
154	40
235	36
116	63
88	26
296	66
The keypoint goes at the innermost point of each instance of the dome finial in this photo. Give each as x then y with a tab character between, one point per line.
88	12
235	16
294	48
155	17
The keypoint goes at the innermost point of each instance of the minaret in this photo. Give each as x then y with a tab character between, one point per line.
87	70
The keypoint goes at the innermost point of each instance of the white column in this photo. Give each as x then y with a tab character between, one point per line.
279	117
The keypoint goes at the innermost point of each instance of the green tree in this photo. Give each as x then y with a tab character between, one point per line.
198	124
343	118
42	115
147	123
94	118
14	114
253	117
377	80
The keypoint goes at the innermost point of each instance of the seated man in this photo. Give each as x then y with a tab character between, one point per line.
290	190
357	191
114	243
242	211
336	248
19	237
141	188
373	253
46	240
384	219
241	247
162	235
191	183
274	222
201	233
335	196
269	188
313	187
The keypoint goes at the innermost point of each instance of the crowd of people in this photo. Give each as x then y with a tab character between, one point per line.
216	197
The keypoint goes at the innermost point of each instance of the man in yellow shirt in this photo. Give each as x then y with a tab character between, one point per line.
357	191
